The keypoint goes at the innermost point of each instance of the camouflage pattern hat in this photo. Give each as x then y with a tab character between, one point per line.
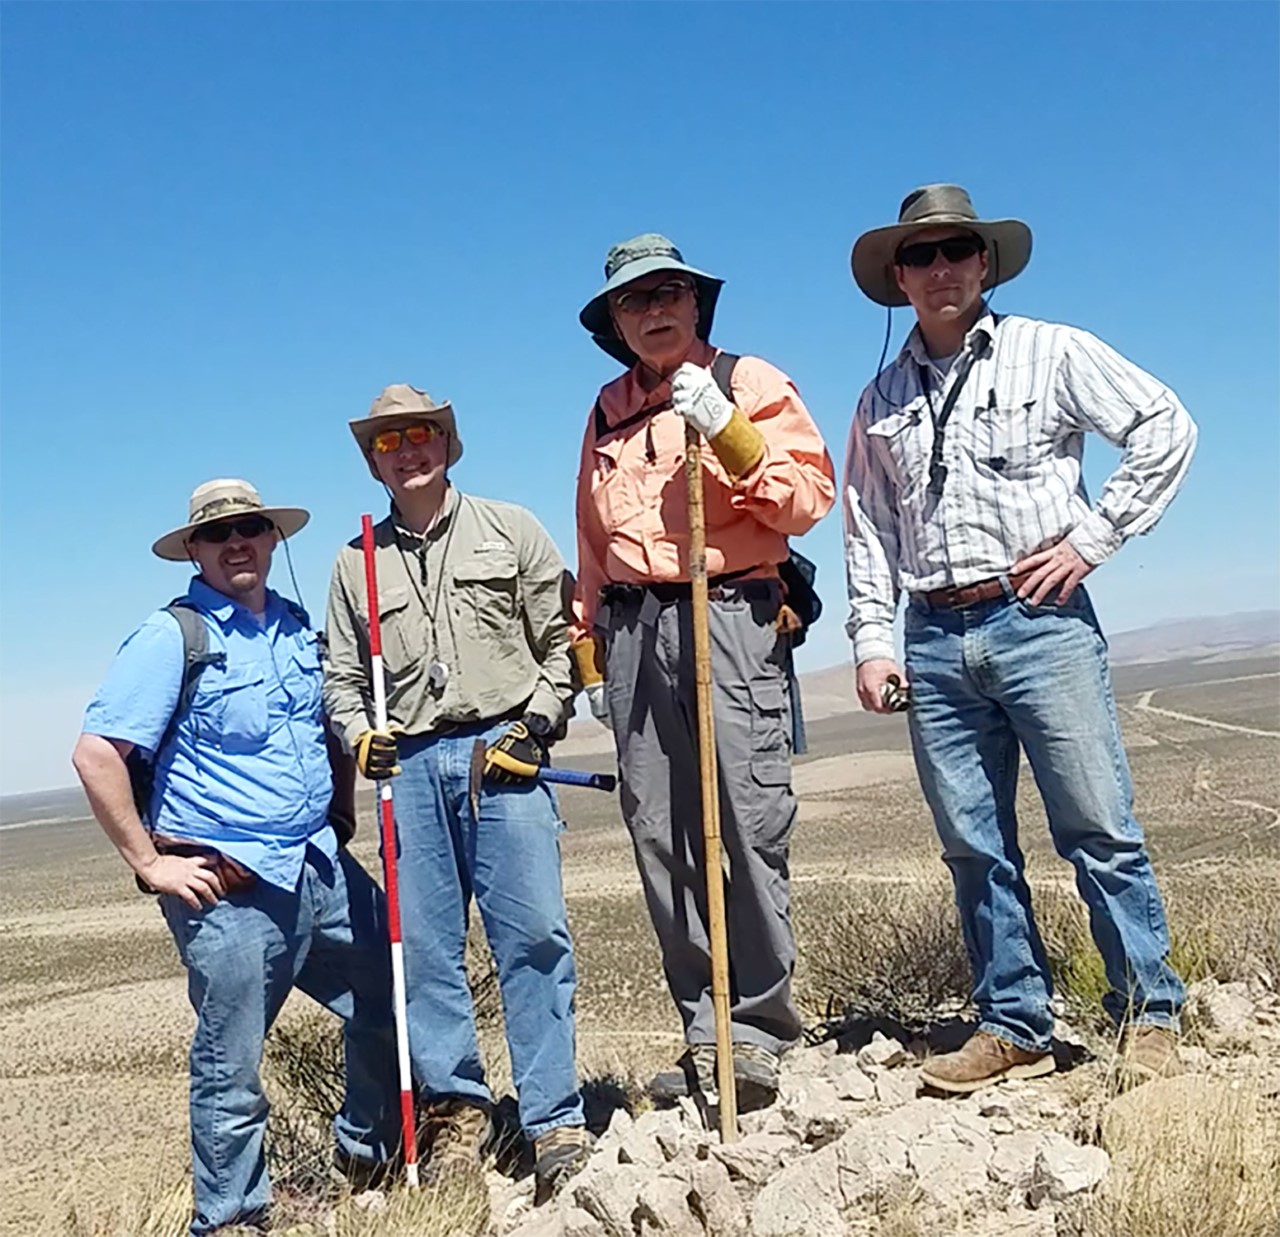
642	255
397	406
223	499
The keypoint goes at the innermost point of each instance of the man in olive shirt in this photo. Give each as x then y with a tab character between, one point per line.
473	600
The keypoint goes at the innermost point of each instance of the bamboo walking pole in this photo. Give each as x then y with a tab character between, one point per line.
710	789
386	812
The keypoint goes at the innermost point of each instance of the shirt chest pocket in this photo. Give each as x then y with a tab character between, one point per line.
622	464
230	707
393	619
487	591
305	676
1009	439
902	441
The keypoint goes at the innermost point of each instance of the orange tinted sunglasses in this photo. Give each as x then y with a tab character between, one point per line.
415	435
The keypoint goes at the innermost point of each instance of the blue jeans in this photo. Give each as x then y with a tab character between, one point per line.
509	860
243	955
986	679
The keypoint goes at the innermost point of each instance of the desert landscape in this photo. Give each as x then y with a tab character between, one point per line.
95	1020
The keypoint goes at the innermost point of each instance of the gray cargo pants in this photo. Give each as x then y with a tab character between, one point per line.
649	685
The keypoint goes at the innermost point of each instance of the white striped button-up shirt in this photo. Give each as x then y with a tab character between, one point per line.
1012	448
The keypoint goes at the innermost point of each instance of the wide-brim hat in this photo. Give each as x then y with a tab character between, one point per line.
934	206
633	259
223	499
399	405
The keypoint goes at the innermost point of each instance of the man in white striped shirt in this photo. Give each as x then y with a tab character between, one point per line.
963	488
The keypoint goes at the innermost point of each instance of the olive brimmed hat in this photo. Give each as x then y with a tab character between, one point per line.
400	405
933	206
225	499
643	255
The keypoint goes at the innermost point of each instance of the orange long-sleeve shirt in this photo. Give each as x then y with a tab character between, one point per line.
633	516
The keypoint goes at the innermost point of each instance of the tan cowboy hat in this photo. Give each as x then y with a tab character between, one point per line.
934	206
223	499
400	405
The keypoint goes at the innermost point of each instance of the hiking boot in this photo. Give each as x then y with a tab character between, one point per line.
361	1175
558	1154
985	1059
1148	1052
694	1072
457	1137
755	1074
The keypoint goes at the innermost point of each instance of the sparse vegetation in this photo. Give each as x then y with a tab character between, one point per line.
96	1022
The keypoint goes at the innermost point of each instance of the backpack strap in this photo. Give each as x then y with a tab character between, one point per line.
195	658
295	608
721	370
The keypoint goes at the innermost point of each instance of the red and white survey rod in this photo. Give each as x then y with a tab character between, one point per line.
388	824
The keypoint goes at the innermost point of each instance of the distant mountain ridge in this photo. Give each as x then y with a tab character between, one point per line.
1251	630
830	692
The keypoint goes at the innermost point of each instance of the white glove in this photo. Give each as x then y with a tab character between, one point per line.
599	707
695	396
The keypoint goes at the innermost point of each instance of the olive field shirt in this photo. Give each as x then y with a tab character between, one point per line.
484	593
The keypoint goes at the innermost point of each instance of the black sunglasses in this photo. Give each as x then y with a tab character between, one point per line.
954	249
248	527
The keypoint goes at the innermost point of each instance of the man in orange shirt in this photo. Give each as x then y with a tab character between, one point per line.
767	477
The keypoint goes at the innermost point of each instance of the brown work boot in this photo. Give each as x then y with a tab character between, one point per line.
558	1154
985	1059
1148	1052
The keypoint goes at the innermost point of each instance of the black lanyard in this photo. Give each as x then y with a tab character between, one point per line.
937	469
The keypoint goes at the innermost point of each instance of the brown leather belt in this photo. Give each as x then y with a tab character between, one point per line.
971	594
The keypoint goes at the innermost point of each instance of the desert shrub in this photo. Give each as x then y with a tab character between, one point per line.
884	949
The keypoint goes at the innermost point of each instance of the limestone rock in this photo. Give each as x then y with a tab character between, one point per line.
578	1223
881	1053
850	1081
715	1201
609	1194
813	1113
803	1198
756	1157
1013	1163
1063	1169
896	1089
662	1207
1224	1008
1188	1102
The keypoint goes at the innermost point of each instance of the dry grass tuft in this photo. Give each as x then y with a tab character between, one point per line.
1201	1170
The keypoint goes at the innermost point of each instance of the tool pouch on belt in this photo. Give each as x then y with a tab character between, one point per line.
230	876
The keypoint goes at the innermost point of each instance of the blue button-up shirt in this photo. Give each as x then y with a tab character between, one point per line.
246	770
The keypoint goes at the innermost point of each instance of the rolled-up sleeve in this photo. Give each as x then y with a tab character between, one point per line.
346	675
592	545
140	693
547	589
870	546
1098	389
793	486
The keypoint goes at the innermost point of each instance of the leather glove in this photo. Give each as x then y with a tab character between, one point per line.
516	756
377	755
599	706
695	396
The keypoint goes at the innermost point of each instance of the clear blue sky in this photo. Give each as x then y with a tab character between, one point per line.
227	226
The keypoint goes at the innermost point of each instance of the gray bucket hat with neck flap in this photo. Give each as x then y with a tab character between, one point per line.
644	255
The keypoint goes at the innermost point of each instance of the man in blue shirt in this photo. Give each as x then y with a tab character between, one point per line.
239	846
